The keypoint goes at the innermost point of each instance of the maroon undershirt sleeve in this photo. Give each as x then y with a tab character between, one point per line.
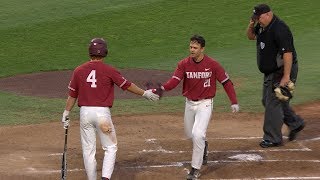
228	87
170	84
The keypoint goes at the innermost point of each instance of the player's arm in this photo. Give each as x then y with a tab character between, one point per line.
224	79
148	94
65	116
124	84
73	93
171	83
72	98
135	89
70	103
175	79
251	30
229	89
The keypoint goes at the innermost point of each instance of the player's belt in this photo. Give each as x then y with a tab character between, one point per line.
199	99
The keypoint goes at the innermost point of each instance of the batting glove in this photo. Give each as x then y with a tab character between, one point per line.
148	94
65	119
235	108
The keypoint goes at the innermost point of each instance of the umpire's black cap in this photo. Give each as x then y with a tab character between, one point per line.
260	9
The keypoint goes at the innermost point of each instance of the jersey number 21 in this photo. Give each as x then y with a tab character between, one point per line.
206	83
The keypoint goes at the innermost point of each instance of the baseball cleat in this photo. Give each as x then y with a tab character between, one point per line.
194	174
267	144
293	133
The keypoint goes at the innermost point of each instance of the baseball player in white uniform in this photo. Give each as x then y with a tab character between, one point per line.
199	74
92	84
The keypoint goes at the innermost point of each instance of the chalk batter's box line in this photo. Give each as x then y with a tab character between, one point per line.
183	163
173	164
160	149
234	138
273	178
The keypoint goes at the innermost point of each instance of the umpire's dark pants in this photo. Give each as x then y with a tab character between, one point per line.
277	112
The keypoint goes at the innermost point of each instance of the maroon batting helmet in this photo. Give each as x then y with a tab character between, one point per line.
98	47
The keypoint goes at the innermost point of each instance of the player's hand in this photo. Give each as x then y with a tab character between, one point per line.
148	94
156	88
235	108
65	119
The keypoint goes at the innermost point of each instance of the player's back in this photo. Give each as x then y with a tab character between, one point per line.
95	84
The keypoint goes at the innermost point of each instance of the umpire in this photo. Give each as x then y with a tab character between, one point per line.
277	60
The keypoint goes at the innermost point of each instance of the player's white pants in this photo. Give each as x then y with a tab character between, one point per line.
97	120
196	119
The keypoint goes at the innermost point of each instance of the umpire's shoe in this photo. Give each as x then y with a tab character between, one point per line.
193	174
267	144
205	154
293	133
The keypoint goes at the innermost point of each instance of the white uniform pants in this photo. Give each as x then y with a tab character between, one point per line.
196	119
97	120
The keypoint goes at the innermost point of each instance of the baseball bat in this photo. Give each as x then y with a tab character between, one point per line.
64	157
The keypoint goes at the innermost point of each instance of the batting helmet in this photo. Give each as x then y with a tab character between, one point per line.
98	47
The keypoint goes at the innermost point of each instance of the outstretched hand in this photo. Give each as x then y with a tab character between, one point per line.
156	88
150	95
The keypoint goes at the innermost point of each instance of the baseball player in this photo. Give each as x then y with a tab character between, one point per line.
92	84
277	60
199	74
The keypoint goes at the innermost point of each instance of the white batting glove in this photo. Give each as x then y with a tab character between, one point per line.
235	108
65	119
148	94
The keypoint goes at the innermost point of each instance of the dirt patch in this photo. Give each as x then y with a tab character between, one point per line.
154	146
55	84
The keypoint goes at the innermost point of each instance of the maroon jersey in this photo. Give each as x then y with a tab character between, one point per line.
199	79
93	84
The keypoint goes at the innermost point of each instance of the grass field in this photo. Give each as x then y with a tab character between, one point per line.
151	34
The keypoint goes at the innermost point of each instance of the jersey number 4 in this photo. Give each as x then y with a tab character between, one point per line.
92	79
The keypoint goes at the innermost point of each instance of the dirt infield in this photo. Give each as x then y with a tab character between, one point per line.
55	84
154	147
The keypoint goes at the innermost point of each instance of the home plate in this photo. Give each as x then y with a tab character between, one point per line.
247	157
